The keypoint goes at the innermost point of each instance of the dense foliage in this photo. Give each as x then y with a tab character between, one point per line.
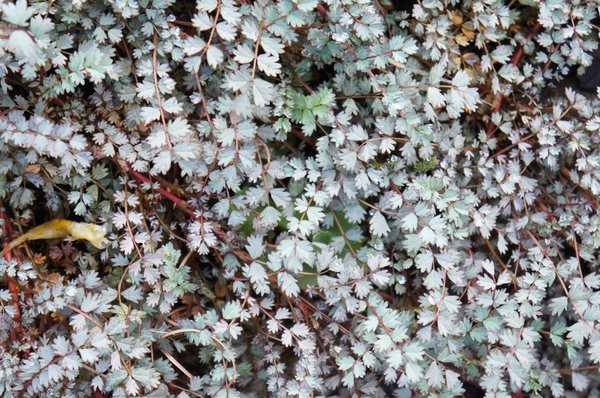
302	198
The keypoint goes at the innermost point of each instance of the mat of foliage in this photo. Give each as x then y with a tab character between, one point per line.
302	198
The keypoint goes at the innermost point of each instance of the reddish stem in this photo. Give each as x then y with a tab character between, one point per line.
97	394
516	58
13	288
321	8
182	204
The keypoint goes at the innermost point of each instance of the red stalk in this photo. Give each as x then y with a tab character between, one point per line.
13	288
321	8
182	204
516	58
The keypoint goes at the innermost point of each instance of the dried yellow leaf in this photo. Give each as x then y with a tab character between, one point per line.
60	228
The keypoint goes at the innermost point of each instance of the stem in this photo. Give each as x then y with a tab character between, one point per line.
13	286
516	58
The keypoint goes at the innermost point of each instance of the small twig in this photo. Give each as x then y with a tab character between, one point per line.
504	266
577	255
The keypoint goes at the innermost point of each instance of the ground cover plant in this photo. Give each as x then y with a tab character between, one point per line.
299	198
